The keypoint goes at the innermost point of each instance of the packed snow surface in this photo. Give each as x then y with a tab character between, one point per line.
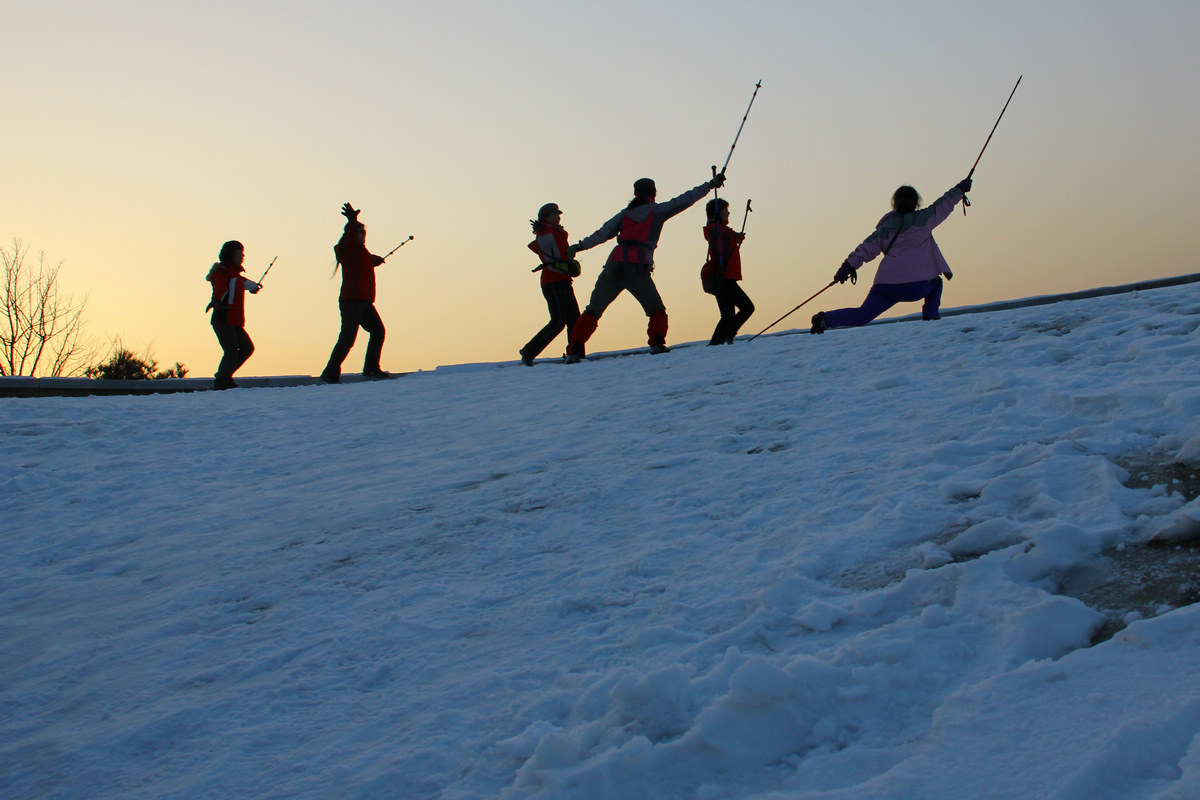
803	567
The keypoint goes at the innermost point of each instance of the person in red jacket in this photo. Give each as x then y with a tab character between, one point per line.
637	229
228	306
557	271
722	271
356	301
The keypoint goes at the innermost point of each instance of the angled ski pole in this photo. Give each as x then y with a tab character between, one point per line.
967	202
788	314
264	275
397	247
757	86
747	215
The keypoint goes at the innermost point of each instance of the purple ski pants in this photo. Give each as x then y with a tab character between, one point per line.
883	296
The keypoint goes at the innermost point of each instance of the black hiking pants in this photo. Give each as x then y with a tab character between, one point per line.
564	310
735	308
236	347
357	314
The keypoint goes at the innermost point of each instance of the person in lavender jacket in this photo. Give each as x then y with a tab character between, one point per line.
912	266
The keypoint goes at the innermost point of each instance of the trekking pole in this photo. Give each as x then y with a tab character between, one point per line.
757	86
397	247
273	260
747	216
785	316
967	202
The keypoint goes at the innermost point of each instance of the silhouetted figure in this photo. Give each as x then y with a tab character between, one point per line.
557	270
637	229
356	301
722	271
228	306
912	266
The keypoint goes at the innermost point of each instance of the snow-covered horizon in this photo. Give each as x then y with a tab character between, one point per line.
839	566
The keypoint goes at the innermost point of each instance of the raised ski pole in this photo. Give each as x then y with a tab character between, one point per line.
788	314
264	275
757	86
967	202
397	247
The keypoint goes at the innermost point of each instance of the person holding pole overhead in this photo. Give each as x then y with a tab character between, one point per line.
228	306
723	269
912	266
356	302
629	266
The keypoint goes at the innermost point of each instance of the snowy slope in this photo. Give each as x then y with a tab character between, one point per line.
804	567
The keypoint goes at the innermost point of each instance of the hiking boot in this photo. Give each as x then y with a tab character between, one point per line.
331	377
572	358
655	349
526	360
376	373
818	323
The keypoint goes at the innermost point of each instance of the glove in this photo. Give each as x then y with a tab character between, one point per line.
964	185
349	212
572	250
846	272
253	287
718	180
949	275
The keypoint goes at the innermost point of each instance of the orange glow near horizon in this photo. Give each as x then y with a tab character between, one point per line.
143	135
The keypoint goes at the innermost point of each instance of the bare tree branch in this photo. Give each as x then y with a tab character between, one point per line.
41	330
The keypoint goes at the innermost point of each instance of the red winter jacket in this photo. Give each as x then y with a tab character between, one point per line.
551	247
358	270
229	294
724	253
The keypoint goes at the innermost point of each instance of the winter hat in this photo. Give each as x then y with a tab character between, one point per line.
547	210
644	187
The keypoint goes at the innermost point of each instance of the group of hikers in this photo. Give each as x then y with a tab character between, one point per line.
911	271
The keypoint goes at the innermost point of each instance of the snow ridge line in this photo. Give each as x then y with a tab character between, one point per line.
76	387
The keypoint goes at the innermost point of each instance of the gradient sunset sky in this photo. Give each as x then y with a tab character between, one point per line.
139	136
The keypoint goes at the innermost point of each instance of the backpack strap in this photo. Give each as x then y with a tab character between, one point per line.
894	235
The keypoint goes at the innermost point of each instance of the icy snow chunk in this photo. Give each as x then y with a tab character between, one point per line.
1189	454
657	703
1181	526
932	556
989	535
524	744
935	616
1052	628
759	682
768	714
1056	550
820	616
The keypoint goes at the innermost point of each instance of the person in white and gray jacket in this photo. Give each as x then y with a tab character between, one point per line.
912	266
637	228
